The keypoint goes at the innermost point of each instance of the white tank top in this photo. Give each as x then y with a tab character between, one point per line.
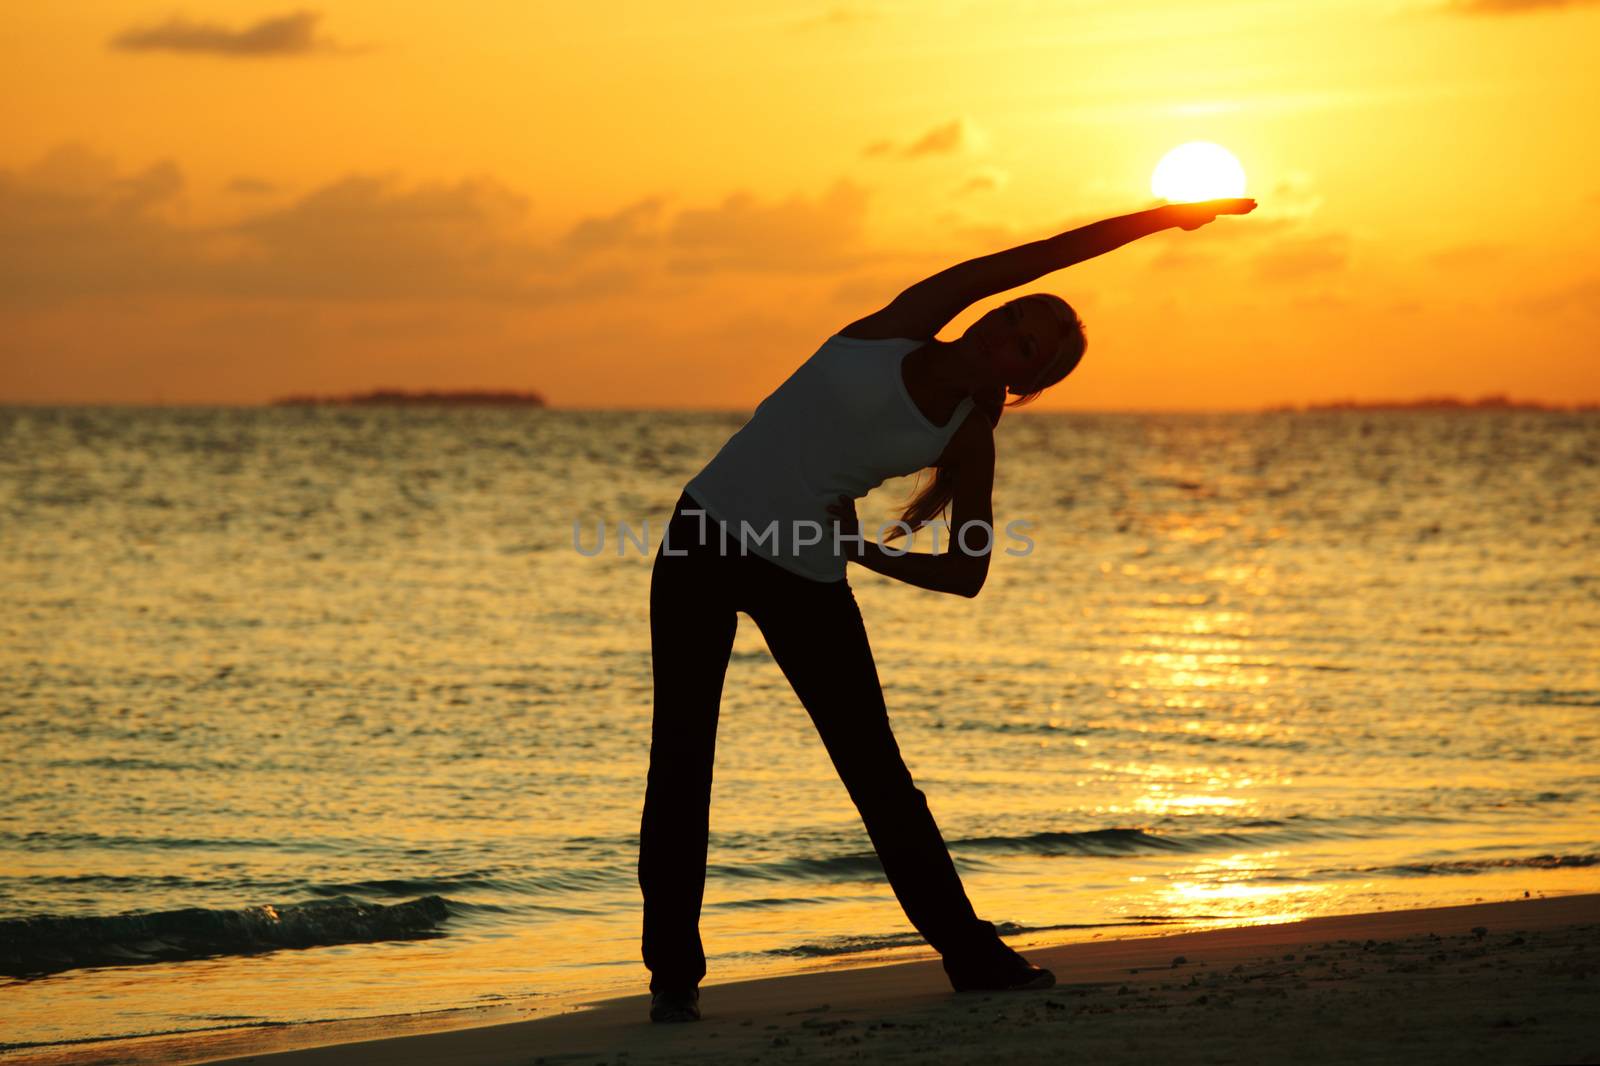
841	424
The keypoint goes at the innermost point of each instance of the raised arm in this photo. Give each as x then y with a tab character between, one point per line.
928	306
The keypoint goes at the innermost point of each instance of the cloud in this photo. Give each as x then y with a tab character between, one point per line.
362	237
632	227
952	138
1297	257
987	180
1513	7
155	185
1293	197
74	227
795	235
948	139
293	33
249	186
71	223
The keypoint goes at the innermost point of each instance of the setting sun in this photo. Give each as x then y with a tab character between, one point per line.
1198	170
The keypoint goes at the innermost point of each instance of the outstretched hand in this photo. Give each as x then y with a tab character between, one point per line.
1197	214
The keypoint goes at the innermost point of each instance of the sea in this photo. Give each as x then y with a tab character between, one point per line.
323	712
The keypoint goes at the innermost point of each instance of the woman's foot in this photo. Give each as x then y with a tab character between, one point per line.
675	1005
996	969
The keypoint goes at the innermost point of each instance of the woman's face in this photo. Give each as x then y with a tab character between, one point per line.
1016	340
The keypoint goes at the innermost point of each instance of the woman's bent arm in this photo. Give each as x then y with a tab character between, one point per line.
963	568
937	573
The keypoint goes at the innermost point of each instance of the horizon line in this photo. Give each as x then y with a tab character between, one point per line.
1441	403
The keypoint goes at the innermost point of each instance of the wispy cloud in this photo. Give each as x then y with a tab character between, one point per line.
942	140
950	138
291	34
989	179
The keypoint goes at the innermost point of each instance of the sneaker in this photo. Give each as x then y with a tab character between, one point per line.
676	1005
998	969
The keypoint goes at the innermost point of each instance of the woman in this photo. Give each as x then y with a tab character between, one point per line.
767	528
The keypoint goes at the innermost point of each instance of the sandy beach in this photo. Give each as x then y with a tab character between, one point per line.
1509	982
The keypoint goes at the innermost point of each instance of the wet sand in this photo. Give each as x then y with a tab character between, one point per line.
1512	982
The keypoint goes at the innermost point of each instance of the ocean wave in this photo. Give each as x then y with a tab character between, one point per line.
1030	727
852	866
46	944
1107	842
51	841
533	886
1114	842
1468	866
973	851
770	902
855	945
1546	697
848	945
865	865
1183	835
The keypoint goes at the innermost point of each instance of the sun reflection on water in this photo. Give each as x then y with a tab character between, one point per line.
1163	804
1237	889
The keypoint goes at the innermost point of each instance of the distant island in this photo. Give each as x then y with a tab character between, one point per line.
432	397
1498	402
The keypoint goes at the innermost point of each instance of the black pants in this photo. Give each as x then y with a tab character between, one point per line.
815	633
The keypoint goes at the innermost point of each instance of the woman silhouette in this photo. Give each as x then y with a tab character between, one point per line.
767	528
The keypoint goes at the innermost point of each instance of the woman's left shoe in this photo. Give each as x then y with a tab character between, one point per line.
996	970
675	1005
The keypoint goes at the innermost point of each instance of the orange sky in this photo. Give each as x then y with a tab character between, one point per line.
654	204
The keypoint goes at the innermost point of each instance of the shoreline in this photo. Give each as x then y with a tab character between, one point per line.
1496	981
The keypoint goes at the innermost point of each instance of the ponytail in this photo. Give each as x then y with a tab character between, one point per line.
931	499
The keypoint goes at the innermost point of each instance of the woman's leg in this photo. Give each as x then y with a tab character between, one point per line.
692	624
815	632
